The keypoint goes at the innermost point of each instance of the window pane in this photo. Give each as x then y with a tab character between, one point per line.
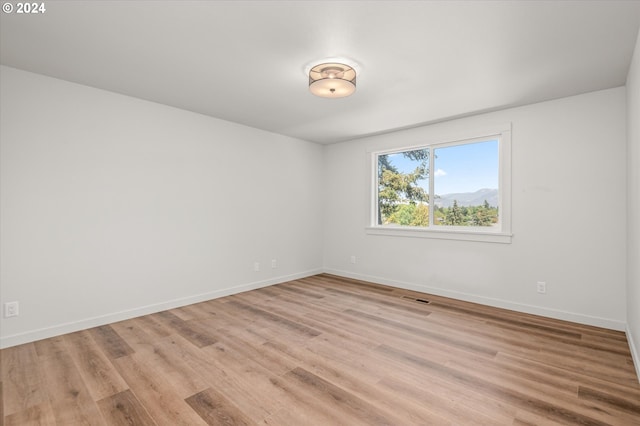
403	188
466	184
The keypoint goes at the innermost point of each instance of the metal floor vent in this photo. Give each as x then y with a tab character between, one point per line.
425	301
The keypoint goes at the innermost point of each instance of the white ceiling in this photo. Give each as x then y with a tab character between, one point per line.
244	61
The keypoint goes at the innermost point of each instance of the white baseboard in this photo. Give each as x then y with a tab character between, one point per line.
634	352
499	303
70	327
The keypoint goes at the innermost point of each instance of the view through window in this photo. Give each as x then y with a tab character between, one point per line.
450	185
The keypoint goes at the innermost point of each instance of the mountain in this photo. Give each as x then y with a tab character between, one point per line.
469	198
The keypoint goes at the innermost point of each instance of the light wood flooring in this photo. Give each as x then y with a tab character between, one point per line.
325	351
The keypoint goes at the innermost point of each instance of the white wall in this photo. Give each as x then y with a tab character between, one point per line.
568	214
633	191
112	207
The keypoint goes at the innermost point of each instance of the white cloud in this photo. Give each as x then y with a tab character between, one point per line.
439	173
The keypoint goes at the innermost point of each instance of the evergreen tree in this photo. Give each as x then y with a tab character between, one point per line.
454	215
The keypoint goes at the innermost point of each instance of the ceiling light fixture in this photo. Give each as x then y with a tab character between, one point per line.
332	80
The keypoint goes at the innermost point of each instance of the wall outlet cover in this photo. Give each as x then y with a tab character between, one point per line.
11	309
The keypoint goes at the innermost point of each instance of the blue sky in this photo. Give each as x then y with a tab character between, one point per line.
461	168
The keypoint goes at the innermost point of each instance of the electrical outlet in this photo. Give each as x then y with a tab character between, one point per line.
353	259
256	266
11	309
542	287
274	263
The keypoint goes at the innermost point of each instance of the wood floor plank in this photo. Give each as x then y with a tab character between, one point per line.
626	404
110	342
253	385
170	362
363	386
156	394
247	346
150	326
303	408
247	385
123	408
352	409
96	370
135	335
320	319
50	347
36	415
77	412
325	350
514	397
446	401
298	414
265	316
191	330
526	418
422	332
216	409
68	394
594	406
22	380
563	378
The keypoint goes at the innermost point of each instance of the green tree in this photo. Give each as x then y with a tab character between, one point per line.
483	215
396	188
404	215
421	215
439	216
454	215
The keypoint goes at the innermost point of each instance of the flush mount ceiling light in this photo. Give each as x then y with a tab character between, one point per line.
332	80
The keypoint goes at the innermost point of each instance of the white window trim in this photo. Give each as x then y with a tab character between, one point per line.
501	235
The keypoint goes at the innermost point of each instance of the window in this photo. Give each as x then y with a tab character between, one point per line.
455	189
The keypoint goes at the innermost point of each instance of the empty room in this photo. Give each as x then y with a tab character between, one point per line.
319	213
